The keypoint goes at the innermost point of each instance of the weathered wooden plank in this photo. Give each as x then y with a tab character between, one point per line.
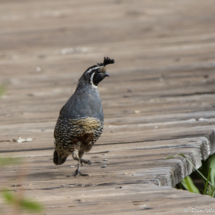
158	101
122	158
125	200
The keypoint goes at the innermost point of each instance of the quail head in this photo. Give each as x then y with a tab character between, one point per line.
80	121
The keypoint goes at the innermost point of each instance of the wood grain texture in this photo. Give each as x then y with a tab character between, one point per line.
158	101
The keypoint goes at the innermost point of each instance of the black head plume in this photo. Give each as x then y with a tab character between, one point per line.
106	61
94	74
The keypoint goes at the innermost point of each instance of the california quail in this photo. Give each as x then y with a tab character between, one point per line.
80	122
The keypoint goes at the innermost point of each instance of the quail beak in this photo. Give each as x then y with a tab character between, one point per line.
106	74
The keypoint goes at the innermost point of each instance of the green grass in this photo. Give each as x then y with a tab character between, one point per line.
206	174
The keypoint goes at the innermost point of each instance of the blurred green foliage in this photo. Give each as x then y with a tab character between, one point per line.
10	197
13	199
7	161
2	90
23	203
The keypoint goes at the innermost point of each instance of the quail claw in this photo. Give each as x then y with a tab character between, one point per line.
85	162
89	162
77	173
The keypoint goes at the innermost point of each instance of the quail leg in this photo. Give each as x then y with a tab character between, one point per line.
80	155
75	157
77	171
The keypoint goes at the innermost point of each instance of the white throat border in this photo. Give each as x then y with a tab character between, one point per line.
91	80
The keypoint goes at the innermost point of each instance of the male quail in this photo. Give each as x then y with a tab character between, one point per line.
80	122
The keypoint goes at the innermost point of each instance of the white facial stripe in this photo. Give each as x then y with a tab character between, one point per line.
92	69
91	80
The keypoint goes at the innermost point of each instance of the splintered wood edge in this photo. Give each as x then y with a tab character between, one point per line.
201	150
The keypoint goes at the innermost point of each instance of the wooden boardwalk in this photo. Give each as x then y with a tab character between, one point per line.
158	101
